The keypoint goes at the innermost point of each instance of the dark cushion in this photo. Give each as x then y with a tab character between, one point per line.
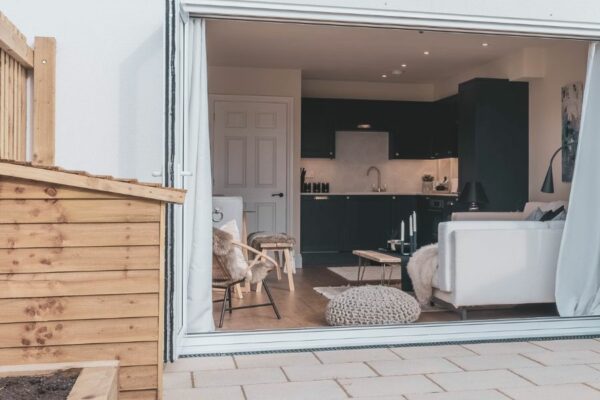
549	215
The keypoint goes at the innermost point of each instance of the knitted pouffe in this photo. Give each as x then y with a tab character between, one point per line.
372	305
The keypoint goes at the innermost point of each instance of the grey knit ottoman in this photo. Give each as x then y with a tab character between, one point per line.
372	305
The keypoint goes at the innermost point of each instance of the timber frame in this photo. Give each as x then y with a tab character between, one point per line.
18	62
375	15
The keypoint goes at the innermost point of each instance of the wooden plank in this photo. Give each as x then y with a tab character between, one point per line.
78	308
139	395
128	354
92	183
78	211
78	284
9	93
66	259
20	369
161	298
11	188
138	377
54	333
96	384
44	93
14	236
23	115
14	43
3	108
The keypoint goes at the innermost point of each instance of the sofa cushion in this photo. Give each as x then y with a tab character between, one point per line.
550	215
544	206
536	215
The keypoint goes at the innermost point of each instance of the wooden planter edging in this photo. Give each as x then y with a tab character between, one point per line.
96	381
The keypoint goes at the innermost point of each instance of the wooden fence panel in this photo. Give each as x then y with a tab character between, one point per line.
13	108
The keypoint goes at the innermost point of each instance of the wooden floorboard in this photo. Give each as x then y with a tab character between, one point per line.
306	308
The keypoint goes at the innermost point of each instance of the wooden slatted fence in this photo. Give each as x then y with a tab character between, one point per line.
19	62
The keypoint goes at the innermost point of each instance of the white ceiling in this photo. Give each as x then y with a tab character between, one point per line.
353	53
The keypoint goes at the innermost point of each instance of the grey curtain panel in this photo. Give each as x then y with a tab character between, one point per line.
199	208
578	273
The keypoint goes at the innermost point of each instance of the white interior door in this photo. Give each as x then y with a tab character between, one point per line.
250	158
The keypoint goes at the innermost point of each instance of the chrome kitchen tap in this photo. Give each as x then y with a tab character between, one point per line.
378	188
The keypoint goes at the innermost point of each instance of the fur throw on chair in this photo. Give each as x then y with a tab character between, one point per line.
225	251
421	269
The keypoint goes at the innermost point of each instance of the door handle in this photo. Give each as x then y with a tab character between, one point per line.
277	195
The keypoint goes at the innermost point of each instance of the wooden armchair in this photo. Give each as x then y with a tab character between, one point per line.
221	279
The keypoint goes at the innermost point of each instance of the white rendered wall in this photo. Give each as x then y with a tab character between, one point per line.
109	80
542	10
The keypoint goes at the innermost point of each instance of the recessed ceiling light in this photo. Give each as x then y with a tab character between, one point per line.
485	44
396	72
404	65
426	52
383	75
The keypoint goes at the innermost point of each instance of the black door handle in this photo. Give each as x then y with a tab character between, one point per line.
277	195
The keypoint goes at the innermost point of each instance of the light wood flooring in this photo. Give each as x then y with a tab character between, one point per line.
306	308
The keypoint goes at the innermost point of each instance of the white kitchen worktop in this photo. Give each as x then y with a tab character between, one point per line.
380	194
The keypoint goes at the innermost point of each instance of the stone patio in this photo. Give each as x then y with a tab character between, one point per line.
548	370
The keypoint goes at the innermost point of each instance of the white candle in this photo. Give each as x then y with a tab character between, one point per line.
410	225
402	231
415	219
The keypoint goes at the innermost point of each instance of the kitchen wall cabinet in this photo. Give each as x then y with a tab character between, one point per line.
444	133
410	134
494	140
318	128
417	130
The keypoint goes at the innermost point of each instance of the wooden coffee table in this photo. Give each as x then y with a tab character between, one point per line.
382	259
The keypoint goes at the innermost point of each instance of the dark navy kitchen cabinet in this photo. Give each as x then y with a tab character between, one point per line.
444	134
368	225
318	128
494	140
411	129
361	115
322	222
431	211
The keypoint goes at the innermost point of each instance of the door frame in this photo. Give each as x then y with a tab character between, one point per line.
289	103
425	333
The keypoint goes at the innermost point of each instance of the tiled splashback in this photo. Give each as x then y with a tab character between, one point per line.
357	151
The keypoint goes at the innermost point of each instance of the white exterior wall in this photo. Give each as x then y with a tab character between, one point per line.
109	80
546	10
110	67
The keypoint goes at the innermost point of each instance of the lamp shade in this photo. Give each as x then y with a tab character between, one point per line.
548	185
473	193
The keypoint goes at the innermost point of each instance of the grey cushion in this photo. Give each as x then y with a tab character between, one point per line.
562	216
372	305
536	215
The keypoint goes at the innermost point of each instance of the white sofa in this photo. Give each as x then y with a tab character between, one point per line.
497	258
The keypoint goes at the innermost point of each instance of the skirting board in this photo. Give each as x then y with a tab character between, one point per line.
398	335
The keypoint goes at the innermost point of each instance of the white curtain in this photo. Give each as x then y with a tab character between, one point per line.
578	274
199	209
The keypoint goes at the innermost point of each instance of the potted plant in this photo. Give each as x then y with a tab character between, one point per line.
427	183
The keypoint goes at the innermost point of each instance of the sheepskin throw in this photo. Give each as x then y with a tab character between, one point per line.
421	269
224	252
372	305
257	238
